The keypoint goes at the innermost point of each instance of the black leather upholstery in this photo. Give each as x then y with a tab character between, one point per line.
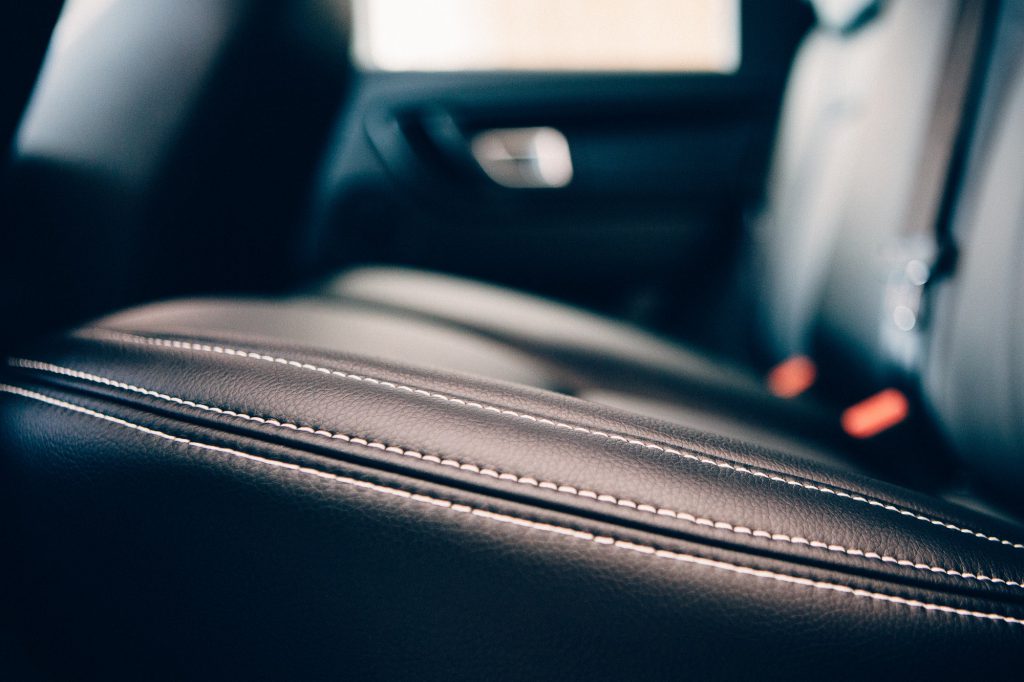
510	336
378	484
225	504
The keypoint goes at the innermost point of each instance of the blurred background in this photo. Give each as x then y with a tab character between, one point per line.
603	153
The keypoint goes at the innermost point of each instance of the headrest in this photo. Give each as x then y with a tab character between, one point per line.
845	16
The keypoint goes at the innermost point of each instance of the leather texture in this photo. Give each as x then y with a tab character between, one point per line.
555	329
227	503
609	365
612	363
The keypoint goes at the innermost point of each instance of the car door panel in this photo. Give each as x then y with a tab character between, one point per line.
663	166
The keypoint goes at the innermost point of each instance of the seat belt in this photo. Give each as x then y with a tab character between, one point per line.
919	250
922	248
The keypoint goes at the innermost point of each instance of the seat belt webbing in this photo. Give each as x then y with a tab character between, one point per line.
920	243
936	170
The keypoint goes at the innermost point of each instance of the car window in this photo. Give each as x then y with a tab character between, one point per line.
548	35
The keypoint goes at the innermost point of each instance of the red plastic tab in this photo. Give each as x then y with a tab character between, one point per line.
792	376
876	414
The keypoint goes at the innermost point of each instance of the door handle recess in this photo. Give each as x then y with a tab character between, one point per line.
524	158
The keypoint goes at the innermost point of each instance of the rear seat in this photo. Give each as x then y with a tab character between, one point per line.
854	123
830	167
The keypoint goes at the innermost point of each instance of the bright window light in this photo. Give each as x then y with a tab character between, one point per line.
548	35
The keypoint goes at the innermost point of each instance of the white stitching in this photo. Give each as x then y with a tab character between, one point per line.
515	478
538	526
766	475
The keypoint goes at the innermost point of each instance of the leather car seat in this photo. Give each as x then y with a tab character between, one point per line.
313	487
829	156
854	122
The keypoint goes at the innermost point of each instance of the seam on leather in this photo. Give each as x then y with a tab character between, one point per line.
521	522
701	459
515	478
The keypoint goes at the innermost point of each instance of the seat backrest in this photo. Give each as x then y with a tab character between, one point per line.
25	29
853	334
854	131
158	125
853	126
974	376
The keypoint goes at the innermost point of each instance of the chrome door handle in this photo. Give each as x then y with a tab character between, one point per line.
524	158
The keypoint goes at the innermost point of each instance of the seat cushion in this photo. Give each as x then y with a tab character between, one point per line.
715	402
556	330
251	505
607	358
612	362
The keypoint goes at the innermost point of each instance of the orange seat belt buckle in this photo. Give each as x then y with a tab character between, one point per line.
875	414
792	376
